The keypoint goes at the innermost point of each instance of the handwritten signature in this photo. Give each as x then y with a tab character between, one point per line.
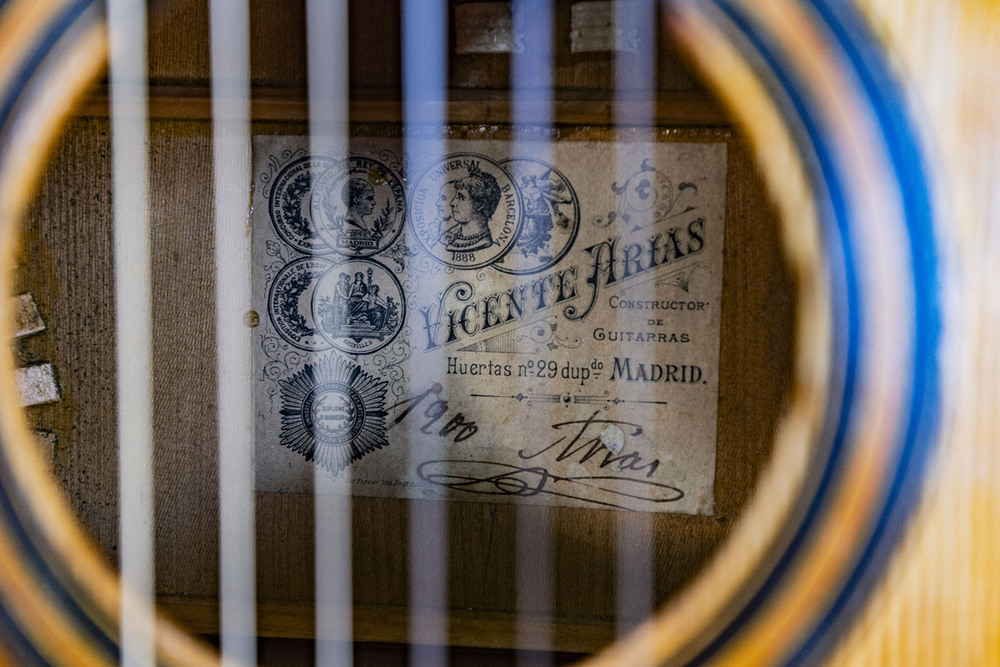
502	479
581	441
587	445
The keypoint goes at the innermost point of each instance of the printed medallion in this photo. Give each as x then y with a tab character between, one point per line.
359	306
290	204
358	207
551	217
290	302
333	412
466	211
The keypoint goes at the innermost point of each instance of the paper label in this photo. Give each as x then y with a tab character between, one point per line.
534	322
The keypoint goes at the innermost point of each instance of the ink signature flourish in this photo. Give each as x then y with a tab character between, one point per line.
501	479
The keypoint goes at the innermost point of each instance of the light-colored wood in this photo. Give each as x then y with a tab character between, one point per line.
939	603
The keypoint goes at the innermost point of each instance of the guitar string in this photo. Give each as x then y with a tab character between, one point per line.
635	106
133	313
532	66
230	61
425	67
327	66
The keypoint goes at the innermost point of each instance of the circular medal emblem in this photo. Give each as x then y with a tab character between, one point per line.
358	207
358	306
290	302
551	217
291	200
465	211
333	413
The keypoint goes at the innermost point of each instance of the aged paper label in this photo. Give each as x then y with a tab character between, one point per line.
534	322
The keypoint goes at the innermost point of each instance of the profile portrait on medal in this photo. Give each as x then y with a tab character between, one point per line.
358	196
443	204
551	216
358	206
465	211
473	203
359	306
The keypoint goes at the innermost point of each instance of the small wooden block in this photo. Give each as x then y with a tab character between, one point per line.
46	447
487	27
596	26
37	384
27	319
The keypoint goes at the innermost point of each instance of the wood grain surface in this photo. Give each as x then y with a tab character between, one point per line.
68	234
939	603
68	239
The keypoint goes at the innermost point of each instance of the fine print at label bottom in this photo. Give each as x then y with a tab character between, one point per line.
539	327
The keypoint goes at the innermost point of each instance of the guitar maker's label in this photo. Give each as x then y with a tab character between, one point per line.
536	326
